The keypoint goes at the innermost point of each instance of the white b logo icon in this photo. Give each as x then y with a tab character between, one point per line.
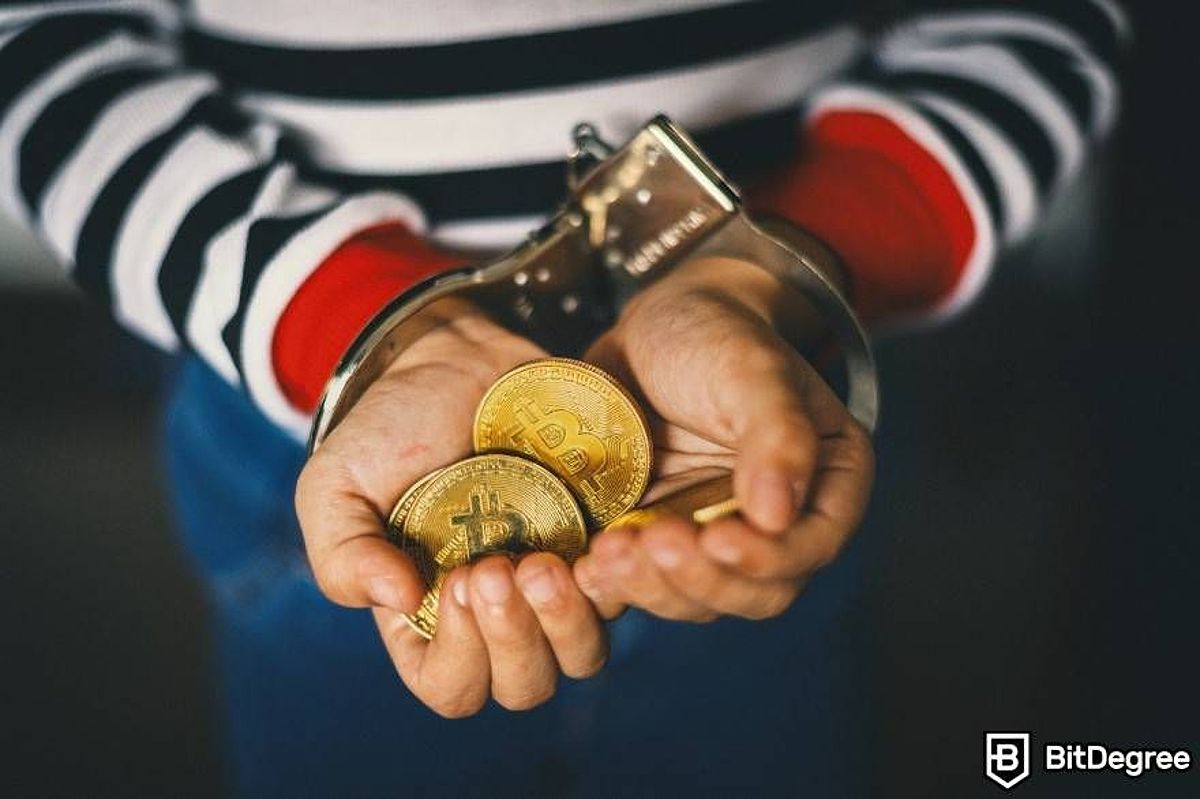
1006	757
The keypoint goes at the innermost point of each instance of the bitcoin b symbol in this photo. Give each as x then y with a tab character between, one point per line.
493	528
558	438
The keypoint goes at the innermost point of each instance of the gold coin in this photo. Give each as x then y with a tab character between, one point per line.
700	503
485	504
578	422
404	504
424	620
421	620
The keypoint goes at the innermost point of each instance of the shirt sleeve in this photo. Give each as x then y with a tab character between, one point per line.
962	123
181	213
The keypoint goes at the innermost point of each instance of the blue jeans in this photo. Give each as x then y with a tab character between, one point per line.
312	706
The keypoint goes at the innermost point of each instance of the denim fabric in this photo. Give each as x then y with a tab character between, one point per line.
312	706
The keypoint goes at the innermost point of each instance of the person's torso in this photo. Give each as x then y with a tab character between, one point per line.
468	105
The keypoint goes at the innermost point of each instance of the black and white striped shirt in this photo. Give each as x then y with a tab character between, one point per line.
192	165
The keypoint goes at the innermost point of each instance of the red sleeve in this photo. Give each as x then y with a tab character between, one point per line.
337	300
885	204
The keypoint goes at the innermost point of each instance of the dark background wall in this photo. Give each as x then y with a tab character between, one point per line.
1035	517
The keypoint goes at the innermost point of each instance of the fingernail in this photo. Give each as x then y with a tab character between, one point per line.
494	586
666	556
774	498
459	590
723	550
386	592
539	586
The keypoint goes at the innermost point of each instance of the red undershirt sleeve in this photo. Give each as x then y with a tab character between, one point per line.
885	205
947	143
337	300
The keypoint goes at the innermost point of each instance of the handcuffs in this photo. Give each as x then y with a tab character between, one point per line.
631	215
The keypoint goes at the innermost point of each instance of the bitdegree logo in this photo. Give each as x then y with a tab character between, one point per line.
1097	757
1007	758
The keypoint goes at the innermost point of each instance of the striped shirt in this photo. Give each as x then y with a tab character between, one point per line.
195	166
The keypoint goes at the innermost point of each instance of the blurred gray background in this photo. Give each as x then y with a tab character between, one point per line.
1035	510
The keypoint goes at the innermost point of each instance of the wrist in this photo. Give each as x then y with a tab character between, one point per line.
460	335
757	292
882	203
818	254
338	300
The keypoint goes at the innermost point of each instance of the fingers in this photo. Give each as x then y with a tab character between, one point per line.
452	673
353	564
523	667
593	584
618	570
672	546
811	545
663	570
367	570
732	567
738	547
491	642
568	620
839	497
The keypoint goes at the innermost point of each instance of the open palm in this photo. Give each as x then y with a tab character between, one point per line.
505	631
725	390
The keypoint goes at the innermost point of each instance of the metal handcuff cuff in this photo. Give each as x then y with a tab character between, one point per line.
630	216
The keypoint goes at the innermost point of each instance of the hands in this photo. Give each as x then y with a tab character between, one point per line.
503	632
725	389
722	388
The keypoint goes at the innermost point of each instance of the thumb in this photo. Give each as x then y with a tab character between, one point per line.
353	563
774	435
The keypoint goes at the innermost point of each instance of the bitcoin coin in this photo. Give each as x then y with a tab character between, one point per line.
405	503
578	422
700	503
424	621
484	504
421	620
